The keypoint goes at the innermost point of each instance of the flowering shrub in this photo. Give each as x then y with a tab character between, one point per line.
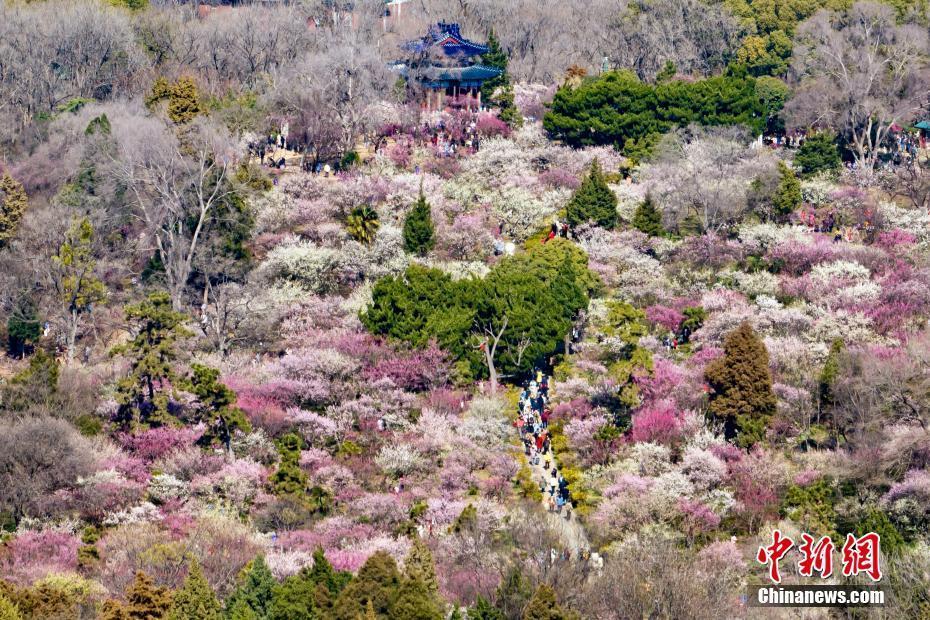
157	442
32	555
659	423
399	460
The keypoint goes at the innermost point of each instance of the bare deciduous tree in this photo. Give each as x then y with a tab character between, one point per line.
175	185
859	73
704	177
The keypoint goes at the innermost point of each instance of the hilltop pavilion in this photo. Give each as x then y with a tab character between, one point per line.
447	66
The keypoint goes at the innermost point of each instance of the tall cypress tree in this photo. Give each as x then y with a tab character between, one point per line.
742	396
13	204
377	582
497	59
419	565
648	218
419	234
253	596
787	195
593	201
195	600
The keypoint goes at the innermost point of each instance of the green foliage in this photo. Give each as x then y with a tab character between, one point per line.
8	611
377	582
183	98
648	219
593	201
543	606
252	598
216	405
742	396
419	234
13	205
638	150
35	385
829	373
818	154
152	352
79	288
538	292
184	101
414	601
875	520
507	107
694	318
773	93
616	107
144	601
195	600
98	125
787	195
812	507
349	160
668	71
495	58
362	224
765	55
289	479
419	566
484	610
23	327
513	593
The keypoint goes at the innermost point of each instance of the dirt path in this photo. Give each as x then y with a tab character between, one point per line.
570	531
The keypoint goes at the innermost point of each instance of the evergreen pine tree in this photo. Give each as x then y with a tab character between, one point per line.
79	288
195	600
414	602
818	154
144	601
787	195
593	201
419	234
648	219
152	352
419	565
8	610
497	59
377	582
742	396
13	205
543	606
293	599
23	327
484	610
362	224
216	405
507	107
289	479
513	593
184	101
253	596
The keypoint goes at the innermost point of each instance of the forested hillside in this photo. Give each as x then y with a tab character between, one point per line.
291	332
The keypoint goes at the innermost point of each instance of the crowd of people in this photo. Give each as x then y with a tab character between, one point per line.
533	423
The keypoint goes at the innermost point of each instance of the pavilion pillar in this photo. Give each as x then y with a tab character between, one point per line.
479	98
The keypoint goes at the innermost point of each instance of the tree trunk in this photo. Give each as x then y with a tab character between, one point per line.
72	334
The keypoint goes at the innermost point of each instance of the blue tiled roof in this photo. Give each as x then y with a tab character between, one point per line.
450	38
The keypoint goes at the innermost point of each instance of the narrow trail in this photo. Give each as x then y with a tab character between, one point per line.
564	521
571	532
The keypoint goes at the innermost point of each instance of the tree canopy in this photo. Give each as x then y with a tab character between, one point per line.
616	107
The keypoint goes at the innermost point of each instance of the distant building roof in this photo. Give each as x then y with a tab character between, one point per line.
448	37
